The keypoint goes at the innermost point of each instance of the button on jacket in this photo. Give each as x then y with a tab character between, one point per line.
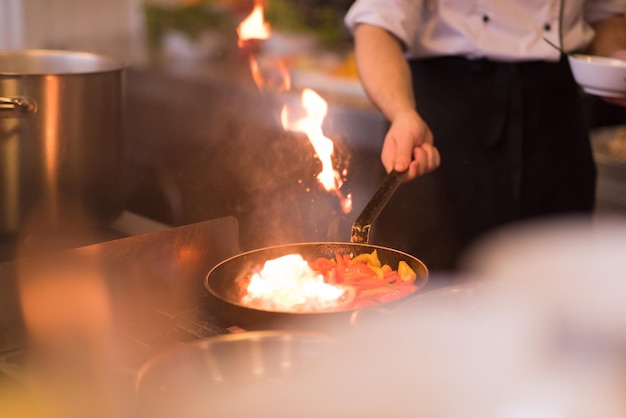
496	29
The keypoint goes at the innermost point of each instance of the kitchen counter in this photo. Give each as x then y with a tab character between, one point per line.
161	270
133	297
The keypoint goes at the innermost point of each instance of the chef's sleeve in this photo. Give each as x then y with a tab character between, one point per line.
399	17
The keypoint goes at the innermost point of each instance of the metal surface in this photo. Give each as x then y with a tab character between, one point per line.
60	136
149	287
160	271
17	105
202	378
362	225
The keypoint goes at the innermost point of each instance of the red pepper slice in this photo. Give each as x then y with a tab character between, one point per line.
323	265
357	272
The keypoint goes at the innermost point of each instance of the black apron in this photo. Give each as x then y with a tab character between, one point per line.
514	145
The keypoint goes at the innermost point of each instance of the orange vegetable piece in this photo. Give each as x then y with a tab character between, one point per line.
375	291
373	282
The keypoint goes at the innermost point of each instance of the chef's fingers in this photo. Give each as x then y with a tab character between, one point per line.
433	157
425	159
401	154
407	153
408	133
388	153
397	151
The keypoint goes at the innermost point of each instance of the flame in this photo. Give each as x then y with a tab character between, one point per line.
283	74
254	26
278	78
311	124
288	283
256	72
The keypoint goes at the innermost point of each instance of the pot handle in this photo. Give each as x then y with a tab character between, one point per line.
17	106
361	227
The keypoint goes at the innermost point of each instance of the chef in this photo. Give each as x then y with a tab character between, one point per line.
481	80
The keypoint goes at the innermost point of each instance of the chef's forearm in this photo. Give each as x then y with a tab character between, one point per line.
383	70
610	36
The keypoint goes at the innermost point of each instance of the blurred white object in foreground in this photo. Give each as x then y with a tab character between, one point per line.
601	76
576	268
543	335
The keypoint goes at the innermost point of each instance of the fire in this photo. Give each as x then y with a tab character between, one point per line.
288	283
254	27
278	78
311	125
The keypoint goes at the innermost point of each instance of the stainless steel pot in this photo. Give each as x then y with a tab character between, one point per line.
60	135
220	376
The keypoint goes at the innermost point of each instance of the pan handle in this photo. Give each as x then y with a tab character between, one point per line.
361	227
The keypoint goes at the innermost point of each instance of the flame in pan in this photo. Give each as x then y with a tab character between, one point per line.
288	283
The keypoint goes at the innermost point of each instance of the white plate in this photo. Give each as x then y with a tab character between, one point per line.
604	93
600	76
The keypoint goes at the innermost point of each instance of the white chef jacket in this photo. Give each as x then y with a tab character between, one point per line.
503	30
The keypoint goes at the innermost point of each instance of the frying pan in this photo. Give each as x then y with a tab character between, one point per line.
224	297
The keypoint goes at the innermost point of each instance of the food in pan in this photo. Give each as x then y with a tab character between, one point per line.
290	283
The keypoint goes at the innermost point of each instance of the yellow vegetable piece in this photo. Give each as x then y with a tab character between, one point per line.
365	258
370	259
380	272
405	272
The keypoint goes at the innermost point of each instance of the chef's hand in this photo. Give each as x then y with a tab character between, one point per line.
409	145
621	101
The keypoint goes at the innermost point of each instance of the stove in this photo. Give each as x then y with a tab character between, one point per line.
153	275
